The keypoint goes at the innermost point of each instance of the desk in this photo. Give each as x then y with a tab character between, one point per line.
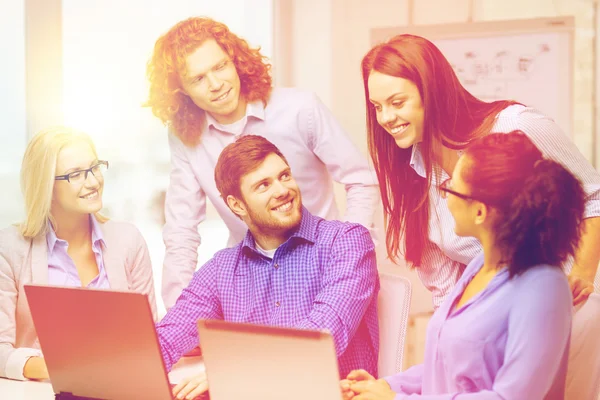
27	390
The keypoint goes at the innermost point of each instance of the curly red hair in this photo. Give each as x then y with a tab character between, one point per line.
168	100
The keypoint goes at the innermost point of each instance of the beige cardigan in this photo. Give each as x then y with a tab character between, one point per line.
24	261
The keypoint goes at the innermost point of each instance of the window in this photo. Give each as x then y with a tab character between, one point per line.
106	45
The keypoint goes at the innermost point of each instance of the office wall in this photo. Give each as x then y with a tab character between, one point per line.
334	72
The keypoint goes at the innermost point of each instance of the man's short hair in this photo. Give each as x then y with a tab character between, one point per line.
240	158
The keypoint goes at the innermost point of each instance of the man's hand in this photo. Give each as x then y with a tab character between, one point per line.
191	387
35	368
581	288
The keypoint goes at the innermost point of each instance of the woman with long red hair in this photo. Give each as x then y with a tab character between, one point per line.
419	121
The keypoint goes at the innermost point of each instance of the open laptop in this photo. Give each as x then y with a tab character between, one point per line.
98	344
255	362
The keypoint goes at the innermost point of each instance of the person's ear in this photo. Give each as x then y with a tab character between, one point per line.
481	213
237	206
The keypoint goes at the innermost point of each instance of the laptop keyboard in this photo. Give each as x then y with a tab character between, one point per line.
69	396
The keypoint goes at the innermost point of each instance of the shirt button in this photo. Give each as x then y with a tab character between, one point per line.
276	265
277	304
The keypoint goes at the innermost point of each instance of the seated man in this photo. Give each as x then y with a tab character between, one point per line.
292	269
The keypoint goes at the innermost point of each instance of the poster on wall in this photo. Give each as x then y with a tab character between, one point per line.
529	61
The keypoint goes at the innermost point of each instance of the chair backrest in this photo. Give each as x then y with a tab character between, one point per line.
393	304
583	376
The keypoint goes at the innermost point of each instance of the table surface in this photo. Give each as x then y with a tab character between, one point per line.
27	390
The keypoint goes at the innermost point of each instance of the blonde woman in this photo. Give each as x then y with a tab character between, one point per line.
64	241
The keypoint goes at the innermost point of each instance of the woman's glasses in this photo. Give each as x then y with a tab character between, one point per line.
81	176
445	189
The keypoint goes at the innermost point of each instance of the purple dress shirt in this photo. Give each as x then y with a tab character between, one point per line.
509	342
323	277
61	268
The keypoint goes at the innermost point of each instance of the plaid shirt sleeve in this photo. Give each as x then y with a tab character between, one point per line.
177	331
350	282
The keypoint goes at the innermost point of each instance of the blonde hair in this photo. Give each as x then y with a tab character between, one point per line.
38	170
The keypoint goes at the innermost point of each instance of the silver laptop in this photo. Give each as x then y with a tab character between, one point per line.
255	362
98	344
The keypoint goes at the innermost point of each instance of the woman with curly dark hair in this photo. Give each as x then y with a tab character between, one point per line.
503	331
209	86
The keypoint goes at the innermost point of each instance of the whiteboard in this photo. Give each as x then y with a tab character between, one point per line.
529	61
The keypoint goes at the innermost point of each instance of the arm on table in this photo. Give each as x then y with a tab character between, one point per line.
177	331
13	360
185	208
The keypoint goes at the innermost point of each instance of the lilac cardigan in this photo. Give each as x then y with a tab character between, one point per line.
24	261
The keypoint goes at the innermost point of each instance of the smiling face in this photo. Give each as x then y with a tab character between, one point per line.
271	205
76	199
213	84
398	107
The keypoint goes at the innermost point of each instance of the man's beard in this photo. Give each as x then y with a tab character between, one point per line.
265	222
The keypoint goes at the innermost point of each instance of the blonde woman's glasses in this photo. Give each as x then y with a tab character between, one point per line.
81	175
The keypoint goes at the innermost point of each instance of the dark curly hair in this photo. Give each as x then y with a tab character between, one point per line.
540	204
168	100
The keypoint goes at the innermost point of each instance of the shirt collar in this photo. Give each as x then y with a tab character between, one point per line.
416	160
307	230
97	236
51	239
255	109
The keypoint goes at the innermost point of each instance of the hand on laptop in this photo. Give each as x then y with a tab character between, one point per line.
191	387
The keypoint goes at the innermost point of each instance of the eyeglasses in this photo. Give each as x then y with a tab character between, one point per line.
81	176
445	190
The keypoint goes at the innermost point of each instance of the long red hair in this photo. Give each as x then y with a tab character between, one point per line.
452	117
168	100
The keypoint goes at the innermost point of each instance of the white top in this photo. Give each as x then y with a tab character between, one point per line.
267	253
446	256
